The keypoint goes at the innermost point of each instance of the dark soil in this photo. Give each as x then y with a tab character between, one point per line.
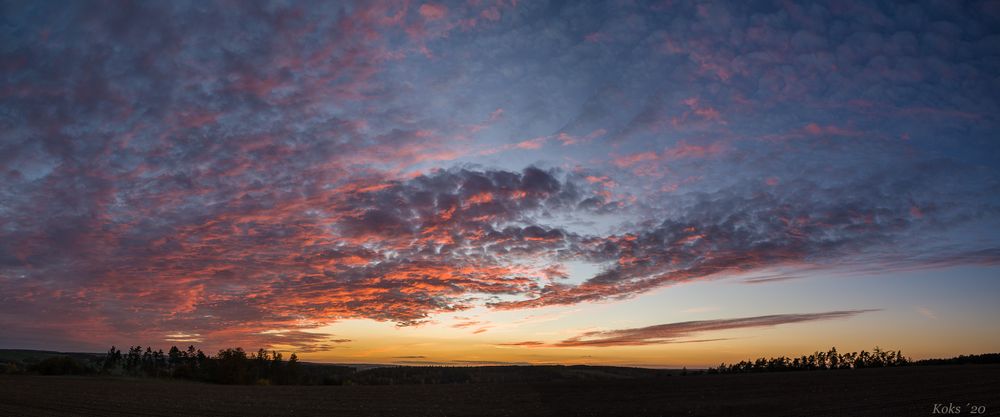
909	391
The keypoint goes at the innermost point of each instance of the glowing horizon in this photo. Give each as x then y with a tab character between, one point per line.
625	183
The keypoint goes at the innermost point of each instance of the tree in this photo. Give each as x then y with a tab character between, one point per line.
133	359
862	360
260	363
900	359
174	356
111	360
231	367
293	369
277	368
848	360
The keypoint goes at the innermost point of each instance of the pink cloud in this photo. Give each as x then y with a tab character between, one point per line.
491	14
830	130
567	139
630	160
535	143
683	150
596	37
433	11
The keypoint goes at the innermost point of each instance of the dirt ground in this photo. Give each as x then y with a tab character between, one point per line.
912	391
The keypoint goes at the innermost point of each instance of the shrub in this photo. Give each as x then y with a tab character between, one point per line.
60	365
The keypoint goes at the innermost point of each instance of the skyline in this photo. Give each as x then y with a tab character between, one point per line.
634	183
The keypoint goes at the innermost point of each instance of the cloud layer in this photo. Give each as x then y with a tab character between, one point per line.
248	174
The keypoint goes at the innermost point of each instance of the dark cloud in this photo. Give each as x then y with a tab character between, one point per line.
681	331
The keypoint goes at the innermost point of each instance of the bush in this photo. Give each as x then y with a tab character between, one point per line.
10	368
60	365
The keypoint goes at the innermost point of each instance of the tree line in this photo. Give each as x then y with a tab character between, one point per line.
877	358
229	366
263	367
962	360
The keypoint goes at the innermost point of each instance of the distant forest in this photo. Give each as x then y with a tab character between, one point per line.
236	366
831	359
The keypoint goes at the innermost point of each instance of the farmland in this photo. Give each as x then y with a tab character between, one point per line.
862	392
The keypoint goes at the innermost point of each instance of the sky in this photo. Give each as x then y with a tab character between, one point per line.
663	183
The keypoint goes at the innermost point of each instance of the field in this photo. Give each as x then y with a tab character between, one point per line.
908	391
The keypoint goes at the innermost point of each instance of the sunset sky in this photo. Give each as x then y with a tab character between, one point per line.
501	181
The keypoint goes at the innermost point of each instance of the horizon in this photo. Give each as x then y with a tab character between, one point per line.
608	183
476	364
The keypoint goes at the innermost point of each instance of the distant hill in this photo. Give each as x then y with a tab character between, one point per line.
364	374
27	356
504	373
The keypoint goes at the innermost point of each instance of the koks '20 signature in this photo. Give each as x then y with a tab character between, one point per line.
955	409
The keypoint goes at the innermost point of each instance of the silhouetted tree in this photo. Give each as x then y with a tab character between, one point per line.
277	368
292	369
174	356
112	360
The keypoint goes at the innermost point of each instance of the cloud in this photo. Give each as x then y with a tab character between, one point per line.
300	341
769	279
680	332
753	227
403	249
208	173
377	248
433	11
927	312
